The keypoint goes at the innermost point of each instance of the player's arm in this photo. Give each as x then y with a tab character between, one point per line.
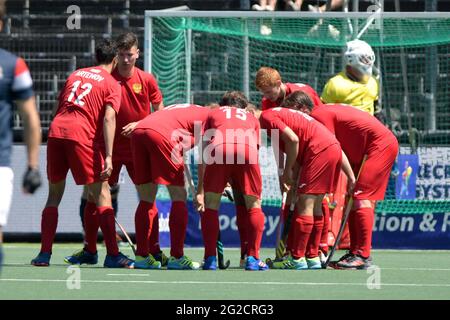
158	106
109	128
291	143
32	137
348	172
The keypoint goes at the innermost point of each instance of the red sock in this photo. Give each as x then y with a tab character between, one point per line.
364	222
312	248
290	239
326	224
255	231
143	226
242	224
91	225
353	229
210	231
302	226
153	242
178	221
49	223
108	227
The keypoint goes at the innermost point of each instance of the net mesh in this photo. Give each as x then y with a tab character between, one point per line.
197	59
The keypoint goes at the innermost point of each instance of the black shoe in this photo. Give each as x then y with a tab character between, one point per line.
356	262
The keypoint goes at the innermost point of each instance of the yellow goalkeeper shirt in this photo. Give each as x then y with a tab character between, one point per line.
341	89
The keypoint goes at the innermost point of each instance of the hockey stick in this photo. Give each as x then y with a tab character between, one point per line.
222	265
344	221
126	236
281	245
283	205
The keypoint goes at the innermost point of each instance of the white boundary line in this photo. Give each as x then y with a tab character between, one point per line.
364	284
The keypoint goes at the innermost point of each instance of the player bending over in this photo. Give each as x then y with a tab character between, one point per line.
359	134
313	160
158	143
231	155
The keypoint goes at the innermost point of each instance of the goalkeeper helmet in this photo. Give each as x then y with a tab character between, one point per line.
359	55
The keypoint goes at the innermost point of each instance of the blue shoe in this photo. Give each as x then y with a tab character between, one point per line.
119	261
314	263
42	259
210	263
253	264
82	257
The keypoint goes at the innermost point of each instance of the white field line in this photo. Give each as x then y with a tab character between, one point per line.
271	283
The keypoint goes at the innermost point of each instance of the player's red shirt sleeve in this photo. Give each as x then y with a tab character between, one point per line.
114	96
270	121
155	95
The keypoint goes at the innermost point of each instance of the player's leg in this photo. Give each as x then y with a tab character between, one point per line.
242	223
6	190
57	168
143	220
49	223
101	193
147	164
312	249
178	221
210	224
368	189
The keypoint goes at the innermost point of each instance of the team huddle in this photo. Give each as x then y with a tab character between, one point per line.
112	115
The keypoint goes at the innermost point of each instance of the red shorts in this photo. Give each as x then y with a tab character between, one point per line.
244	177
85	162
320	172
374	177
156	159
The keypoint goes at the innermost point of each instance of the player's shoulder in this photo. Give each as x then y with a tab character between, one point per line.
6	56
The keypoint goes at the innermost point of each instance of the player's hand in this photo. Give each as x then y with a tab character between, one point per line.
31	180
351	185
107	169
128	129
287	180
199	202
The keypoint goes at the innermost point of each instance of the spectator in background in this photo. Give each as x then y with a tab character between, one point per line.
16	85
265	5
335	4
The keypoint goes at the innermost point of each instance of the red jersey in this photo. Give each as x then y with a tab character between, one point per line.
356	130
82	106
312	134
177	121
236	126
292	87
138	92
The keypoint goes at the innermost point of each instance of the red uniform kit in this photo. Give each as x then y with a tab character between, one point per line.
319	152
76	134
292	87
232	156
157	144
362	134
138	93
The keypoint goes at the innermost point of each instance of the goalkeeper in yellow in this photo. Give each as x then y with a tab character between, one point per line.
355	85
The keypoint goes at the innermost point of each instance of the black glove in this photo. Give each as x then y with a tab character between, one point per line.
31	180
